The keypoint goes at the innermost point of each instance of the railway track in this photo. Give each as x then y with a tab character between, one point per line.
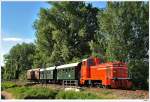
82	87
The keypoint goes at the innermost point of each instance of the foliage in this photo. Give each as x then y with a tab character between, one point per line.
63	32
123	36
139	69
19	59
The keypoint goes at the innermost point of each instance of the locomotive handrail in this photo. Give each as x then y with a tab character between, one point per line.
120	78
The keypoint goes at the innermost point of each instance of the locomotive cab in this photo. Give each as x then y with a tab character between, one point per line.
86	71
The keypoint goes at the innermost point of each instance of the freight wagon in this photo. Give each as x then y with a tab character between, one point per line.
89	72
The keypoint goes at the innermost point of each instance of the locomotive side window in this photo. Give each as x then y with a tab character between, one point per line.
90	62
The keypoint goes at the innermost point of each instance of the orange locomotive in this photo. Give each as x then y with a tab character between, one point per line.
110	74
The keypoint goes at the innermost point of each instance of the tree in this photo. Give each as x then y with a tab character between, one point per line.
123	35
19	59
65	30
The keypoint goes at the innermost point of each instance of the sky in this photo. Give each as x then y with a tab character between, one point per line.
17	20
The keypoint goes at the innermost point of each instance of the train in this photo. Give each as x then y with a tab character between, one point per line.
88	72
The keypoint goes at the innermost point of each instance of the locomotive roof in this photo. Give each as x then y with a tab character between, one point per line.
67	66
84	59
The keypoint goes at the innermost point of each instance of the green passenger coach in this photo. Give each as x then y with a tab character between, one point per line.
47	73
67	71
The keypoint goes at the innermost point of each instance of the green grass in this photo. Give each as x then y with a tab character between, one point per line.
76	95
6	85
47	93
32	93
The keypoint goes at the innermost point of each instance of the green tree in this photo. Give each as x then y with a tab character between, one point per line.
123	36
64	31
19	59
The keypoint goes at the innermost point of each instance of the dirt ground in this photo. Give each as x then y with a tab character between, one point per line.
6	95
121	94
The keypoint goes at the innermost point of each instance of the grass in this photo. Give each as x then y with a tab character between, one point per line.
32	93
40	92
47	93
76	95
103	94
6	85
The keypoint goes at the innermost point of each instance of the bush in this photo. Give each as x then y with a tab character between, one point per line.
40	93
6	85
75	95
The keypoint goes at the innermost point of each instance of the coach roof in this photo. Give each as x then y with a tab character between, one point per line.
67	66
49	68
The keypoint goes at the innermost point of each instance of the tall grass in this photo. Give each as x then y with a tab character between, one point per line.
47	93
6	85
33	93
76	95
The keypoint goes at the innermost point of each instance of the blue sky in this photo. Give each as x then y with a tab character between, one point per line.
17	21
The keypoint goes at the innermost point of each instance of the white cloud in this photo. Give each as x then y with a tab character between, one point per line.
8	43
12	39
2	59
19	40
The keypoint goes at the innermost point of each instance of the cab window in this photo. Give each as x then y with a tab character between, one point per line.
90	62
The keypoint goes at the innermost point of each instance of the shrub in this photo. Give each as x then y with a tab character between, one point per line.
40	93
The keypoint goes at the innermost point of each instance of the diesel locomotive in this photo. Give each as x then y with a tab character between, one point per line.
90	71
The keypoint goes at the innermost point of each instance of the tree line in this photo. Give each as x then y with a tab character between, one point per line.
70	31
